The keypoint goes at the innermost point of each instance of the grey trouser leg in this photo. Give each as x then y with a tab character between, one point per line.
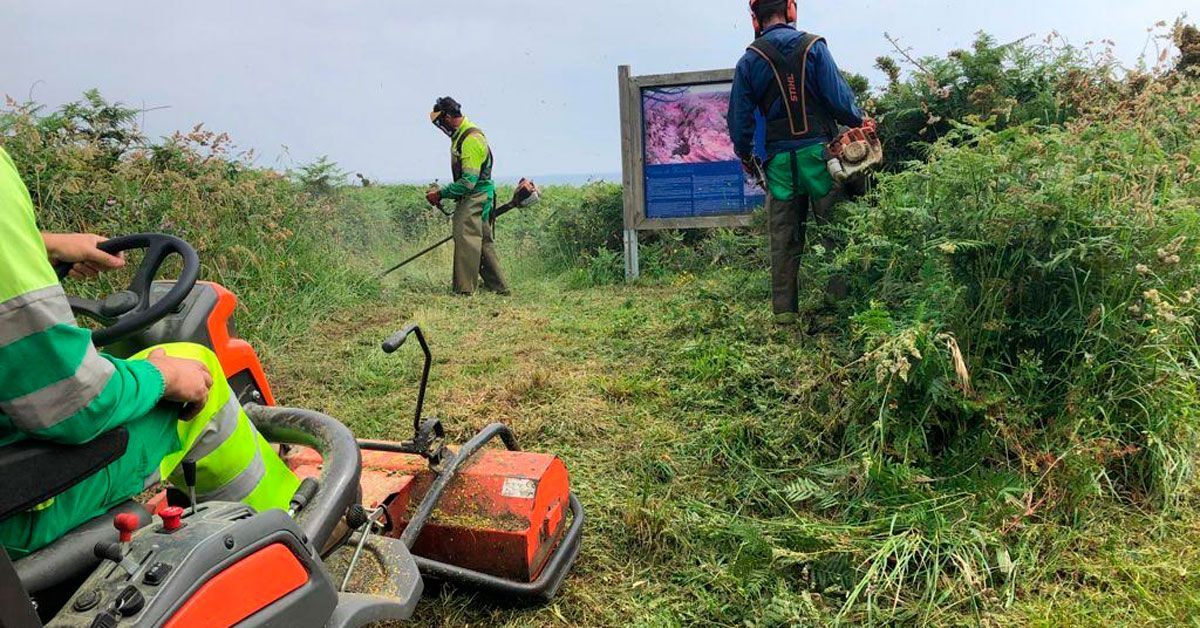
822	212
474	248
468	242
489	268
783	227
787	246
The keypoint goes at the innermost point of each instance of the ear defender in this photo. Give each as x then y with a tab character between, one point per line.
793	14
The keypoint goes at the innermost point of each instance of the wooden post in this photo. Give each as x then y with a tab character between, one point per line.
631	168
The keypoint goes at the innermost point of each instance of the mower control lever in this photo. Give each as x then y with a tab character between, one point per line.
116	553
393	344
189	480
304	494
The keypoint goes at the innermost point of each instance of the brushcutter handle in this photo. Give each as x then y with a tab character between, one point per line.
393	344
396	340
503	209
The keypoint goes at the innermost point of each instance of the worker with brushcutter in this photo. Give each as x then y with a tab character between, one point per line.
474	194
791	78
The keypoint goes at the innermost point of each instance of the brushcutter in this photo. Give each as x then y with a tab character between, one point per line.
526	194
854	152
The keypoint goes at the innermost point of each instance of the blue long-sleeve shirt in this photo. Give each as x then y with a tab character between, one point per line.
753	79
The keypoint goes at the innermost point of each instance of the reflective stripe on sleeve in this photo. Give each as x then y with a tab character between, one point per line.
45	408
27	314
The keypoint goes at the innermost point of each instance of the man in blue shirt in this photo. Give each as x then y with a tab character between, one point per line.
790	77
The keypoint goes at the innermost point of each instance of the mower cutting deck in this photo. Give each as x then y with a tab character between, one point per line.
489	518
370	521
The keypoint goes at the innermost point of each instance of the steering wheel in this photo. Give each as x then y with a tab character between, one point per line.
130	311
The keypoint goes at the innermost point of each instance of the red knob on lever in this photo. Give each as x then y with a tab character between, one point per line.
172	518
126	524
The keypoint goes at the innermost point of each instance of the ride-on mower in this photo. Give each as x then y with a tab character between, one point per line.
370	523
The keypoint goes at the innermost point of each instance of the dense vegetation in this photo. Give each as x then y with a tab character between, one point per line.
89	168
1016	368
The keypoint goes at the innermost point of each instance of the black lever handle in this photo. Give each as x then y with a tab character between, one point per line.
304	495
393	344
189	473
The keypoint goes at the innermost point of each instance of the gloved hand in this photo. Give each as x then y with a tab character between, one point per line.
869	124
434	196
753	167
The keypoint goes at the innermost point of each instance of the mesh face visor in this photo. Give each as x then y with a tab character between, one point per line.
438	118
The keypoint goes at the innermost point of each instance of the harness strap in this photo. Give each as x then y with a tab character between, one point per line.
801	208
791	88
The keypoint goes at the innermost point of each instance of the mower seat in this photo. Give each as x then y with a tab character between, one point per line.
72	556
35	471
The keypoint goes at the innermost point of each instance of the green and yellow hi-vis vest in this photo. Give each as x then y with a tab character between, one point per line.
471	164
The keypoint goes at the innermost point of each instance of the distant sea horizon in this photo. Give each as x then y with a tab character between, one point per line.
543	179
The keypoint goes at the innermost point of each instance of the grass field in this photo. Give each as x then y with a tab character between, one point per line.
580	372
998	426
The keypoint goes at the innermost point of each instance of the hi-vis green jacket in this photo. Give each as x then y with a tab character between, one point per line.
54	385
471	164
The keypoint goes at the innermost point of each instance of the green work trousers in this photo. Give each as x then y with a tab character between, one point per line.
157	442
151	438
474	248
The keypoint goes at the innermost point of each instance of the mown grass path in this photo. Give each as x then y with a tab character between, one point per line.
547	364
575	373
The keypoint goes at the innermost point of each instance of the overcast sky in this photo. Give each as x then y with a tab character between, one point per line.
355	79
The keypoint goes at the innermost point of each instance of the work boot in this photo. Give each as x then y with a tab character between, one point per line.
822	323
786	319
504	292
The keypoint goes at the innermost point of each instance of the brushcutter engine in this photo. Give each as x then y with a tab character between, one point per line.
527	193
854	152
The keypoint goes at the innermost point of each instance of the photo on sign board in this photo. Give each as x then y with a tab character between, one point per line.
691	168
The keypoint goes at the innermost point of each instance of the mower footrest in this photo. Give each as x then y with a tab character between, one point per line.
385	586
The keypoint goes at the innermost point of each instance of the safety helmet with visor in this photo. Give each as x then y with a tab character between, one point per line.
443	110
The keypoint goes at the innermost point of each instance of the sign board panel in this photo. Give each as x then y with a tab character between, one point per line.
690	166
680	169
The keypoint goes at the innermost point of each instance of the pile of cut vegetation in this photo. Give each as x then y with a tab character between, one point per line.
1018	362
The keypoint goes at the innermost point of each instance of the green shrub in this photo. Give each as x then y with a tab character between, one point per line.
996	84
281	249
1017	357
580	222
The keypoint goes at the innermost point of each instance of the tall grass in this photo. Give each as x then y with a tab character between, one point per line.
281	248
1018	358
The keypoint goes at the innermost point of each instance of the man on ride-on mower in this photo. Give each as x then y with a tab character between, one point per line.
55	386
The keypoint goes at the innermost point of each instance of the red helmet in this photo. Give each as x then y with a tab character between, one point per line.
792	12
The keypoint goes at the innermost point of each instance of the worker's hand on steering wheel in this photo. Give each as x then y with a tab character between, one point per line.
185	381
80	250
